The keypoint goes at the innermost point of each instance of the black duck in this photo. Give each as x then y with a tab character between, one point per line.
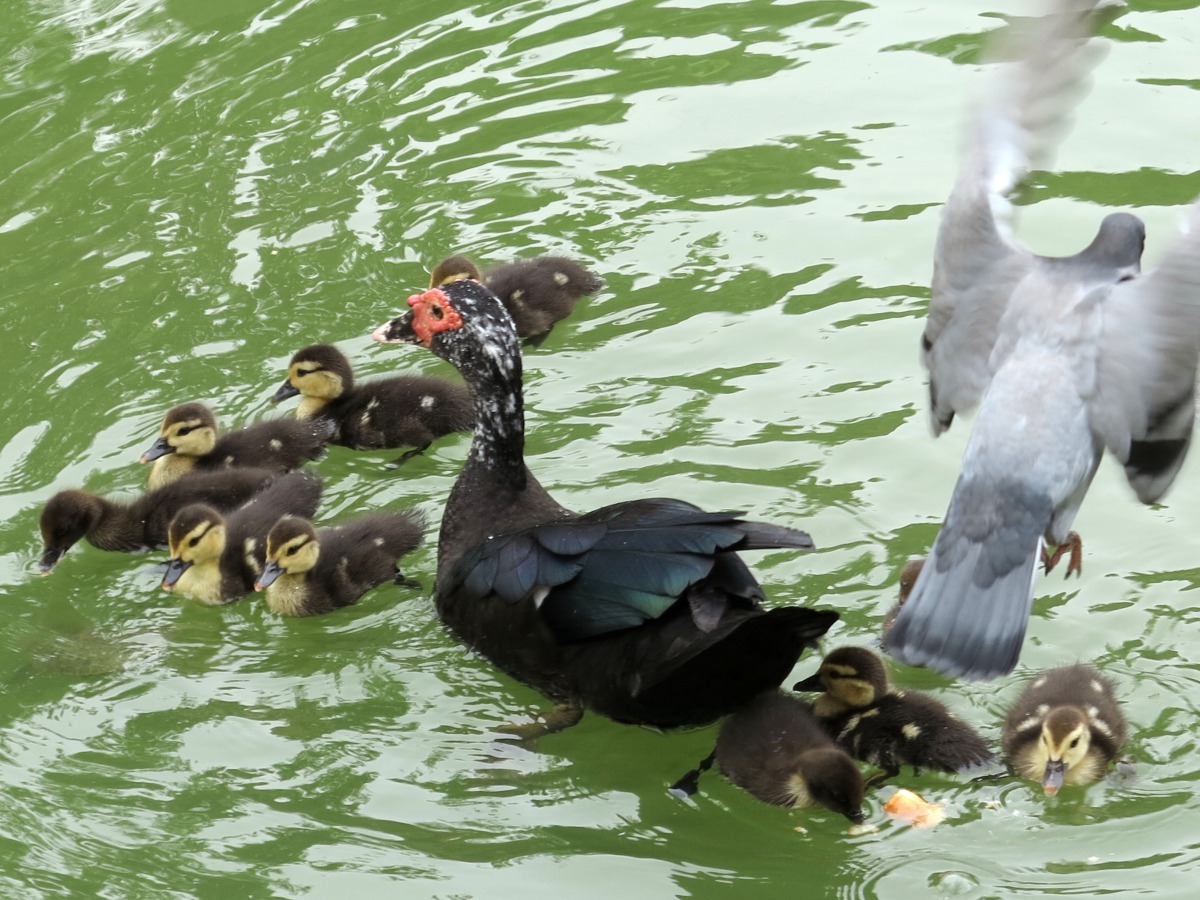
641	611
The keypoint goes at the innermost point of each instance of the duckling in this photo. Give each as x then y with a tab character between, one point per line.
402	411
536	292
908	577
309	572
216	559
110	525
886	727
775	750
1065	728
188	441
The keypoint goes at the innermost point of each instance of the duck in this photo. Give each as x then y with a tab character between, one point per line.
215	558
537	292
1064	357
773	748
311	571
889	728
72	515
908	577
641	611
189	441
382	414
1066	727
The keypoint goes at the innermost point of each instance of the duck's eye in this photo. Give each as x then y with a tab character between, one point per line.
291	551
193	542
436	312
186	429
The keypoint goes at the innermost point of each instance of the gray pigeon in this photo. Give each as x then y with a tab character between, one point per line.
1064	356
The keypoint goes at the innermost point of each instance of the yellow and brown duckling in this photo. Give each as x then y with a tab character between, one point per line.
536	292
885	727
189	441
72	515
217	558
400	411
1065	728
310	571
774	749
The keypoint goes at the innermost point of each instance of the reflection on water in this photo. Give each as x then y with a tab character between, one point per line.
192	191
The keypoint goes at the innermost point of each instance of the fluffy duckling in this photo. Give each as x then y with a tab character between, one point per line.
188	441
216	559
309	572
109	525
1065	728
885	727
536	292
401	411
908	577
774	749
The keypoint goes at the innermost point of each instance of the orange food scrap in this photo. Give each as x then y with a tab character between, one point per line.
906	806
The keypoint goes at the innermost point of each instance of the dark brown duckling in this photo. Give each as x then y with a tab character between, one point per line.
536	292
188	441
401	411
1065	728
216	558
642	610
908	577
775	749
111	525
311	571
886	727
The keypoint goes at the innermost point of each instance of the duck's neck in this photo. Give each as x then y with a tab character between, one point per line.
167	468
286	595
497	455
310	407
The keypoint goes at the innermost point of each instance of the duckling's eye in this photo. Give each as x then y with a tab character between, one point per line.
193	542
291	551
186	429
1074	743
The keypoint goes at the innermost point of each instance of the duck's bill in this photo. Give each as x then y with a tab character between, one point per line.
50	559
286	390
268	576
175	570
811	683
398	331
157	449
1052	779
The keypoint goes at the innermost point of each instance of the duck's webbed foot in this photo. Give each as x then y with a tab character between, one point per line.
689	784
1073	544
1124	773
561	717
881	776
406	456
404	581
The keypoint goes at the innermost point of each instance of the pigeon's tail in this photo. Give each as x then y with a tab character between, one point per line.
967	613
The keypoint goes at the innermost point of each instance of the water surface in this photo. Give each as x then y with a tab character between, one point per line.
189	192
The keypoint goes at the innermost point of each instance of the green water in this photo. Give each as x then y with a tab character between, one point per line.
190	191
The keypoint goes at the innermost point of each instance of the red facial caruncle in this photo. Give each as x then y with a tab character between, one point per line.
433	312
